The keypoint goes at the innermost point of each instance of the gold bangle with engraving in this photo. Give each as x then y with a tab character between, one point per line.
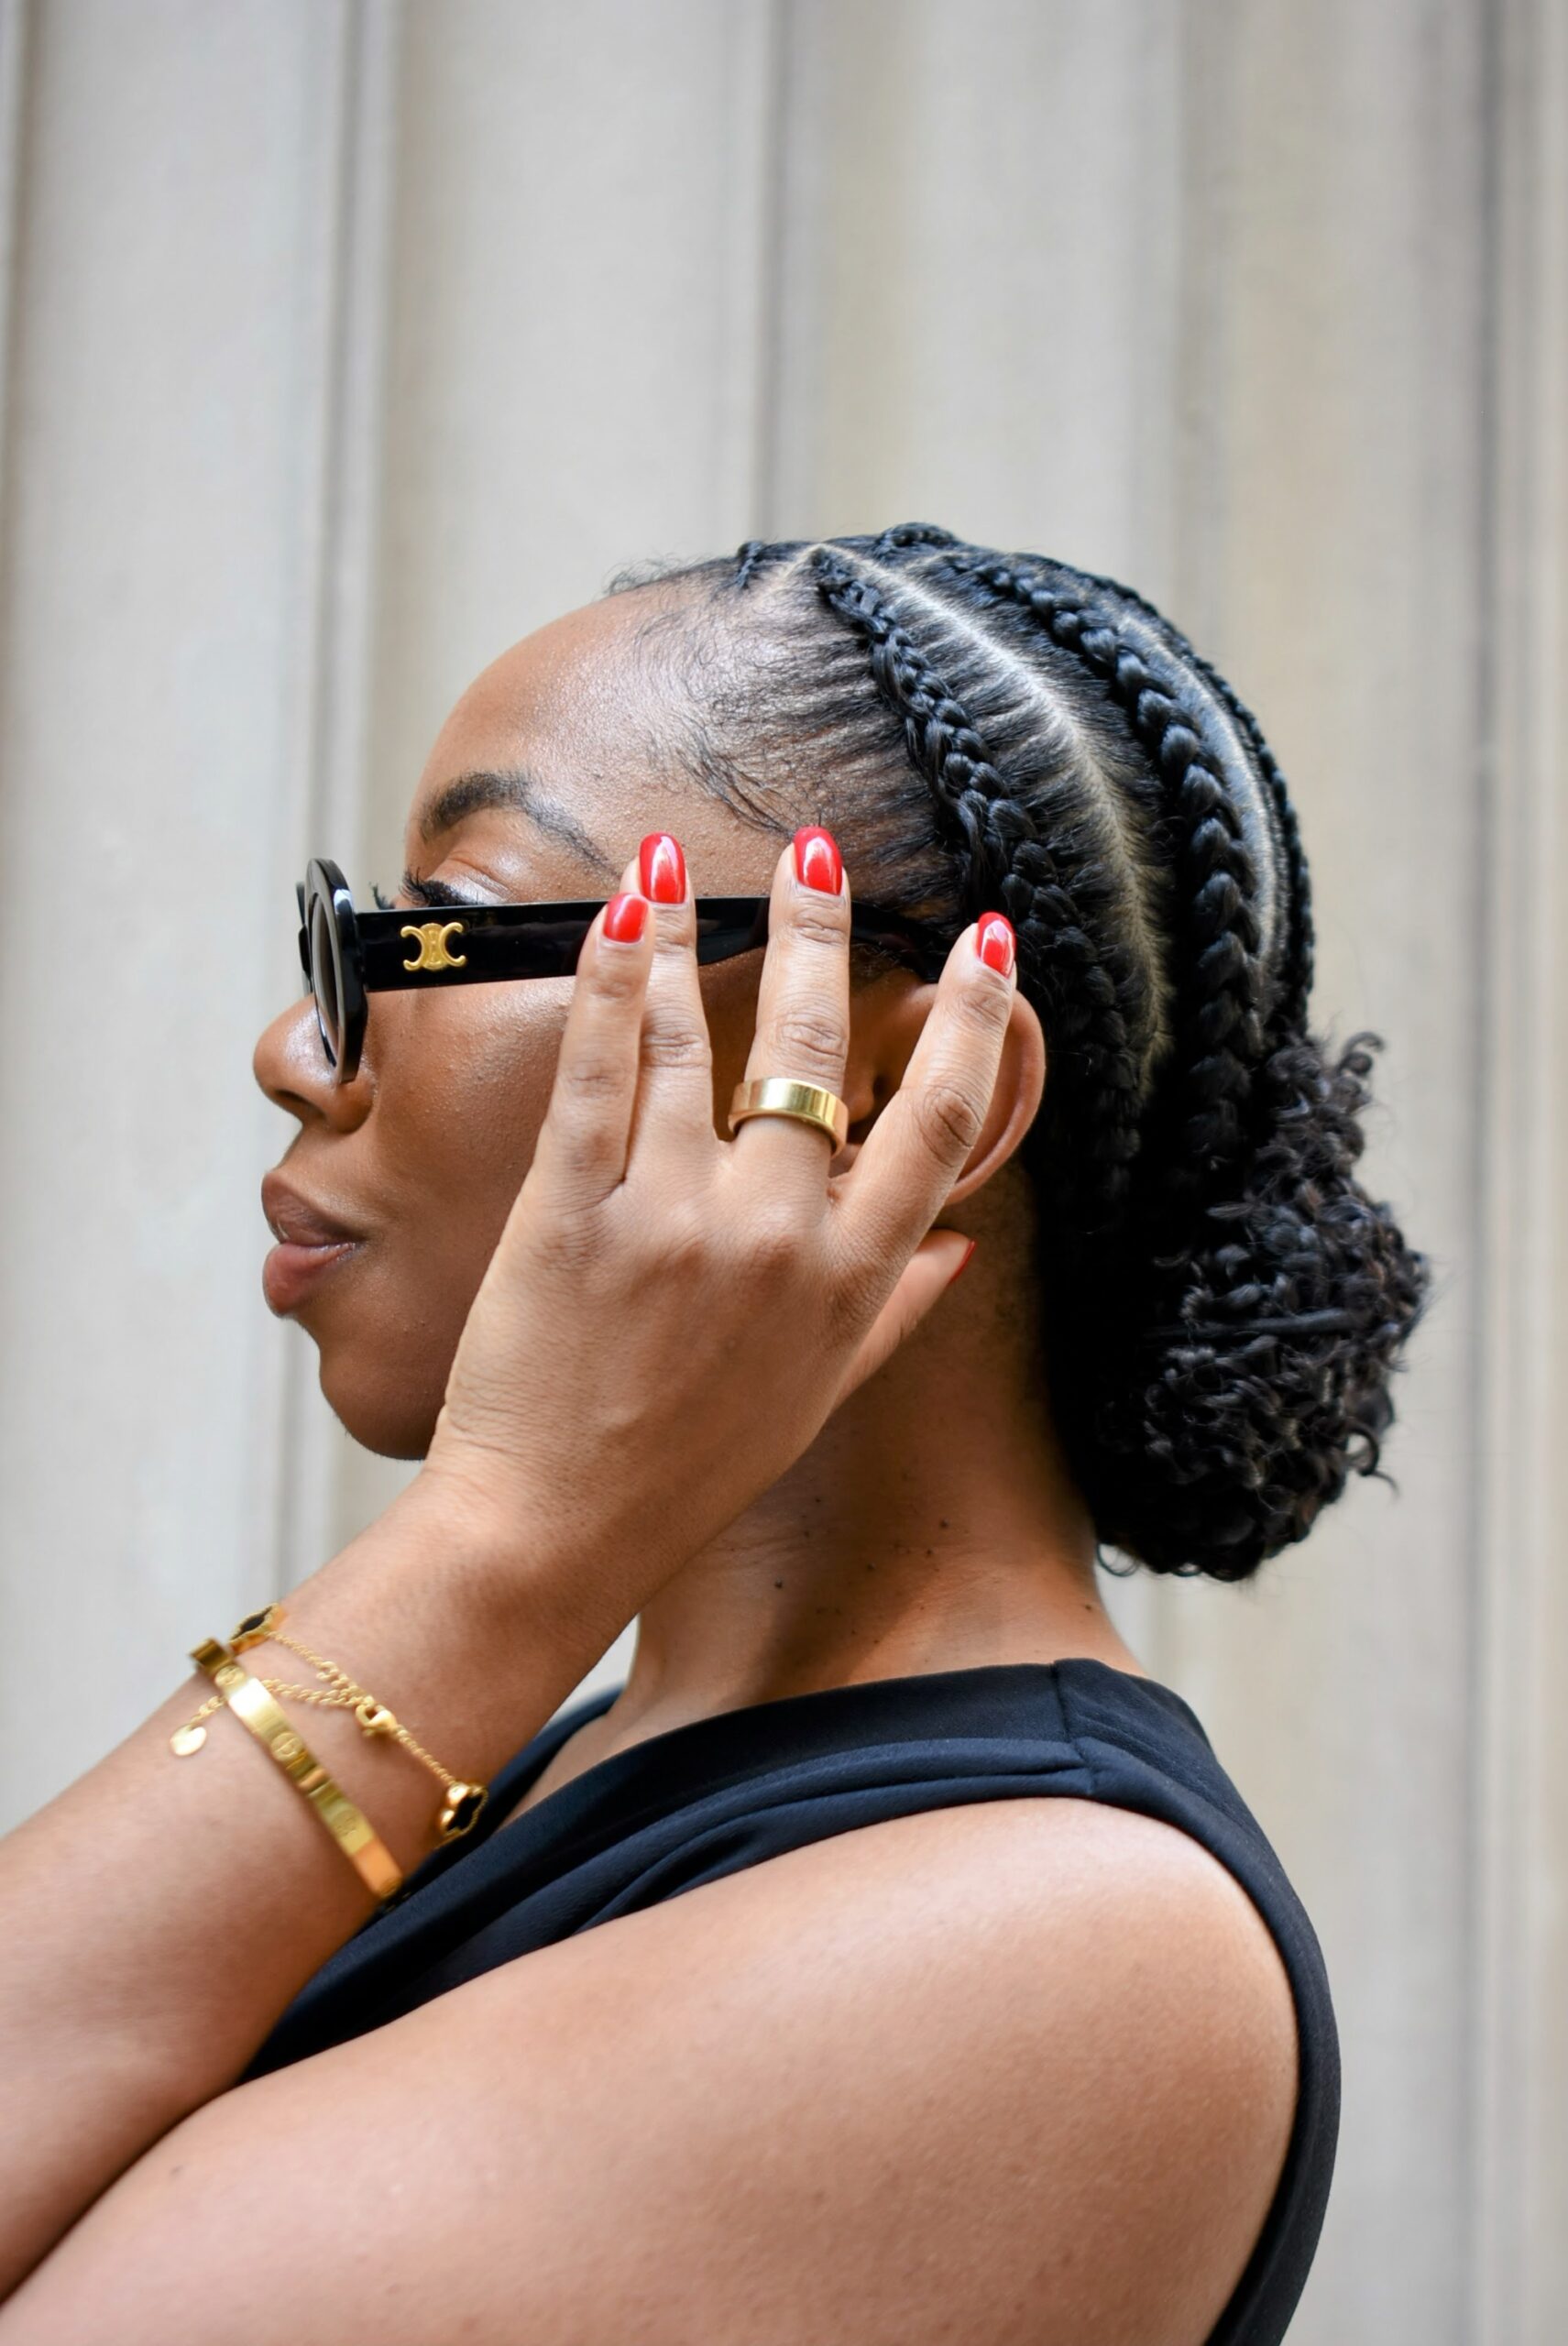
461	1801
804	1103
251	1704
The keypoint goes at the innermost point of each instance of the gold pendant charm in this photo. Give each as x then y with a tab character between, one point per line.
460	1810
186	1739
374	1716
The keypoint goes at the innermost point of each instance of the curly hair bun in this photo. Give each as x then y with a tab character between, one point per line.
1242	1361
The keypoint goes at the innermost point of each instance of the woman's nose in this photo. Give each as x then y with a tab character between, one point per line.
291	1066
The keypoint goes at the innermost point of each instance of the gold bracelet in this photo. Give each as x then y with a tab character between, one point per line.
462	1803
254	1708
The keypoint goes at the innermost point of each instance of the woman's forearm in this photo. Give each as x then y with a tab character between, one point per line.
159	1915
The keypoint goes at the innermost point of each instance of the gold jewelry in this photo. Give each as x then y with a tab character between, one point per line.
804	1103
462	1802
251	1704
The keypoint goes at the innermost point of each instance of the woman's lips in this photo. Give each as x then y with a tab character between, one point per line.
311	1244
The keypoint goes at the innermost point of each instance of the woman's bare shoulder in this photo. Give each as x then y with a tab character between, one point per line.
1020	2070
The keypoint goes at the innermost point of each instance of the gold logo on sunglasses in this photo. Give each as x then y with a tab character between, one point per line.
431	936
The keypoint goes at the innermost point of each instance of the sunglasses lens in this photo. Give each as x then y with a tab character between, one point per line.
324	978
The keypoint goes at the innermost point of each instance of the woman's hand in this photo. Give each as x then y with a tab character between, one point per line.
670	1317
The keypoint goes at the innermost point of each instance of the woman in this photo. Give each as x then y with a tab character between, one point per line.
938	1984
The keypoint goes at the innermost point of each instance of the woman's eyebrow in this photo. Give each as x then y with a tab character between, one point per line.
515	790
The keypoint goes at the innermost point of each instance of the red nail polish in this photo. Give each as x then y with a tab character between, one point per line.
995	943
623	918
817	863
664	869
965	1261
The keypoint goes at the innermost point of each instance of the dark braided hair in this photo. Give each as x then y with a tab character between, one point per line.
1224	1306
1057	901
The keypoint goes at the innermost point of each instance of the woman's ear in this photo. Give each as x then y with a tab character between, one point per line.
886	1021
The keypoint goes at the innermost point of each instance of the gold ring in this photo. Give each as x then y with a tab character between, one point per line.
804	1103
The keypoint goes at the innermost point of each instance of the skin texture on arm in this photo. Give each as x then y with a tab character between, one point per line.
1018	2075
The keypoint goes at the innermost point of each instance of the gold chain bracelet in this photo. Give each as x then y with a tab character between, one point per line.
256	1710
462	1802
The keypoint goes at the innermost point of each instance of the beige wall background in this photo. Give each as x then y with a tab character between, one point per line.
343	342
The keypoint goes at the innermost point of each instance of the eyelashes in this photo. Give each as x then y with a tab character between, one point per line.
424	892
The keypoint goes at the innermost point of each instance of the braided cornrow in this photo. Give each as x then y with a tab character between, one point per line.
1222	983
750	558
1296	983
1291	1016
1059	904
1223	1305
910	534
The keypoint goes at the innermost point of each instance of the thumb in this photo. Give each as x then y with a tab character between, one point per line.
925	1279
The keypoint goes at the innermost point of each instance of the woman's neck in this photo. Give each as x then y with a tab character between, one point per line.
932	1526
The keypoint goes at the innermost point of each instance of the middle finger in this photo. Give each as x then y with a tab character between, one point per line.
803	1009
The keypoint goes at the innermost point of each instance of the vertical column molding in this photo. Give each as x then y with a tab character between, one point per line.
775	42
333	654
173	299
1520	2039
13	43
747	463
1205	260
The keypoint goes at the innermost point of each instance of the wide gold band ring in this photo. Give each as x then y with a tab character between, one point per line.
805	1103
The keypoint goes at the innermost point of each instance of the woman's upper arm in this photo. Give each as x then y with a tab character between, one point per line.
1020	2071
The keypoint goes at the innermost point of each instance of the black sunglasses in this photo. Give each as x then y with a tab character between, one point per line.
346	955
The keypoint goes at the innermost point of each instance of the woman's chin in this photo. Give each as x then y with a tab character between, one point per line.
392	1422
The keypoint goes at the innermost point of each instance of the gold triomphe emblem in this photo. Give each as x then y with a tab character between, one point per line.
431	936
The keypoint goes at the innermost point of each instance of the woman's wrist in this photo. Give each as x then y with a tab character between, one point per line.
438	1611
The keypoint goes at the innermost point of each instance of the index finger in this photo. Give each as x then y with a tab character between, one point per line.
919	1145
583	1142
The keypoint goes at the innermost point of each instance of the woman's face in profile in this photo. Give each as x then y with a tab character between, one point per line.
540	786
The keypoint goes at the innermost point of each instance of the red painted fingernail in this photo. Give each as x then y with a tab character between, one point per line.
995	943
965	1261
623	918
817	863
664	869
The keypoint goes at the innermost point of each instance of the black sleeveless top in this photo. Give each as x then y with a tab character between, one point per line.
725	1792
